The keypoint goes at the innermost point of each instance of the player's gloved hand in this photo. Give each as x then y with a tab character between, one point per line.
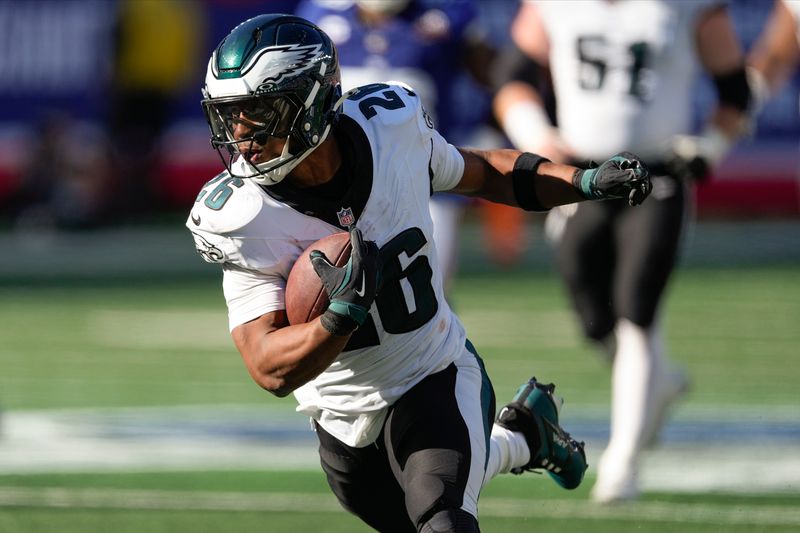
622	176
694	156
352	287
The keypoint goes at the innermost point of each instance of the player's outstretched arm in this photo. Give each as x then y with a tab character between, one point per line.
536	184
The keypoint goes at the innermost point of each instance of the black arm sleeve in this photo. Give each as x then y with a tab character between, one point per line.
733	89
512	64
523	178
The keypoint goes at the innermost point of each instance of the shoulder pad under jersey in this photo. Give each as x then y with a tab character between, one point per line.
365	104
225	204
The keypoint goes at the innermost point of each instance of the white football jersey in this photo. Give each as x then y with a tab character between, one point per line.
623	72
257	233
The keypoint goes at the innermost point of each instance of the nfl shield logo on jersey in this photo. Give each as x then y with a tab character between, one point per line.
346	217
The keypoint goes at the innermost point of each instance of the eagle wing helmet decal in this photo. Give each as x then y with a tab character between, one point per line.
284	62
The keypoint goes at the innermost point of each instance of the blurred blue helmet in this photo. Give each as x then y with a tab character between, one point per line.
273	76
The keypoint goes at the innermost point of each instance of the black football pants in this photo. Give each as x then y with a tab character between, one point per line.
616	259
422	469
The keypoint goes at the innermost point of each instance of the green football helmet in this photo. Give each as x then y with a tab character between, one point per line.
274	76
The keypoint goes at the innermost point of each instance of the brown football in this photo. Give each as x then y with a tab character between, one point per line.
306	298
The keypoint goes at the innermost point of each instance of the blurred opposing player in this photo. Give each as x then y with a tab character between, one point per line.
433	47
622	75
401	403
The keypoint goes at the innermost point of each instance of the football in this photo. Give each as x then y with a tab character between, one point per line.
306	298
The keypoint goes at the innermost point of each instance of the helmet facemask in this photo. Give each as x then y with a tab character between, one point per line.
242	128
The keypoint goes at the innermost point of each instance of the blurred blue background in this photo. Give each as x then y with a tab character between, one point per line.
100	122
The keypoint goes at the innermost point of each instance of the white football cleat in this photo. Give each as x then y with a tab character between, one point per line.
673	385
616	482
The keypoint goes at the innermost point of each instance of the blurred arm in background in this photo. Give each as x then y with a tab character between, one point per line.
521	76
721	56
775	56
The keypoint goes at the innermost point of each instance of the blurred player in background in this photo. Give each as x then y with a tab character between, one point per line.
433	46
401	403
622	75
67	182
776	55
157	46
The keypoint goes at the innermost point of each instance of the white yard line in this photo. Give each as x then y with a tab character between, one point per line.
247	437
643	511
301	502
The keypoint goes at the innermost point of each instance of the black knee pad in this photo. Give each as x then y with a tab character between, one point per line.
434	481
450	521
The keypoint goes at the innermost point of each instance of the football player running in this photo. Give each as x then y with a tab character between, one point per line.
622	77
400	401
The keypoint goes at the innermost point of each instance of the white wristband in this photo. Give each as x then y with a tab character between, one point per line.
716	145
527	126
760	91
712	146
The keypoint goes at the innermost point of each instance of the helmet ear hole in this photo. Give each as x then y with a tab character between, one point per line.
333	94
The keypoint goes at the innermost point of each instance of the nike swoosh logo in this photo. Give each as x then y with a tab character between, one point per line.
363	287
196	219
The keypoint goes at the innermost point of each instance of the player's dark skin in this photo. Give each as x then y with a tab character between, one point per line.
280	357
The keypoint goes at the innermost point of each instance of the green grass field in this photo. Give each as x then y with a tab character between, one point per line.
165	343
299	501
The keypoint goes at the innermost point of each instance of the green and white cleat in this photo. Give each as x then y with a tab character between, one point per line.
534	413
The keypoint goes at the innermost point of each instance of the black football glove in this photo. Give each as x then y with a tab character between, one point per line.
696	169
622	176
352	287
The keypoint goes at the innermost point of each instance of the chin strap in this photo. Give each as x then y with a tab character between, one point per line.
277	174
